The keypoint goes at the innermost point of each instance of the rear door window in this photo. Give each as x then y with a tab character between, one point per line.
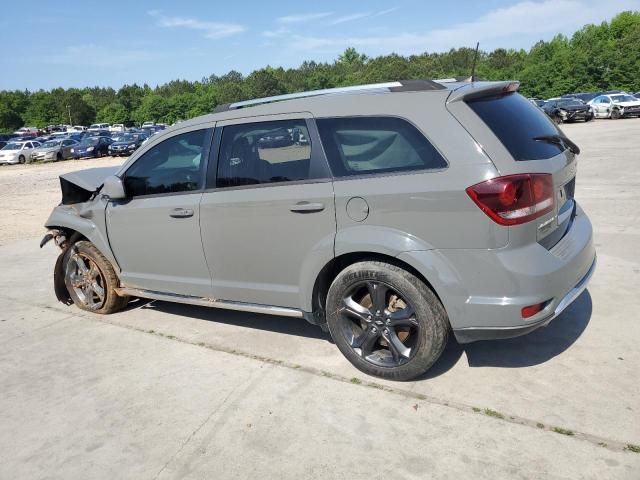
520	126
369	145
264	152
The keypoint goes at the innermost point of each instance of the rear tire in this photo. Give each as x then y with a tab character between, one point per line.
21	159
58	157
386	321
615	114
91	280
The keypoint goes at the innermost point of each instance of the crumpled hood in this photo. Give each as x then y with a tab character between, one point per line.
88	180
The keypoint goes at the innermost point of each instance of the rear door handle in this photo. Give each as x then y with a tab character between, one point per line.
181	213
307	207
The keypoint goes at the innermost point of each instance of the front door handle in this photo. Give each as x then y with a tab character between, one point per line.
307	207
181	213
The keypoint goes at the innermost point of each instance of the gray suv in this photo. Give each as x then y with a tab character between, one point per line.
391	215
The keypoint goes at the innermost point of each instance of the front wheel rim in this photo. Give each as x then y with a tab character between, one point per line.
86	280
379	324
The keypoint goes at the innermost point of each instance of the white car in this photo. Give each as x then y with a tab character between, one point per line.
26	131
615	105
148	124
116	127
76	128
95	127
18	152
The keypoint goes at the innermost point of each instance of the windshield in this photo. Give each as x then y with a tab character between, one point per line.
51	144
89	142
570	103
12	146
623	98
124	138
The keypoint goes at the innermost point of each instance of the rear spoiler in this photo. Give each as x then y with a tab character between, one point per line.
482	89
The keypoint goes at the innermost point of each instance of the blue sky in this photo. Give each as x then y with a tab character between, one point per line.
76	44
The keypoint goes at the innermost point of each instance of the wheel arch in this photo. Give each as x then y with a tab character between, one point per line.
331	269
68	219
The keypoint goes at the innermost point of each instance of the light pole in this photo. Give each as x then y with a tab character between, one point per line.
69	110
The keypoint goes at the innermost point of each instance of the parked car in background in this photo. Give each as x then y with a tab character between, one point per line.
54	150
3	143
17	152
98	133
126	144
77	136
117	128
584	96
568	110
77	128
7	137
150	130
147	124
614	106
98	126
27	132
538	102
97	146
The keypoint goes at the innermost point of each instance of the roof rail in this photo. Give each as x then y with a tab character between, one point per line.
405	85
383	87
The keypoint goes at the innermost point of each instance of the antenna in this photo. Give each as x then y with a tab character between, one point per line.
475	59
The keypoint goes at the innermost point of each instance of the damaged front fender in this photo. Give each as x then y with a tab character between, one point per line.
80	215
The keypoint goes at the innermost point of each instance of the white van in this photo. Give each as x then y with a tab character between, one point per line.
99	126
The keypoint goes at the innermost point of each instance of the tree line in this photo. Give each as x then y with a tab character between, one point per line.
595	58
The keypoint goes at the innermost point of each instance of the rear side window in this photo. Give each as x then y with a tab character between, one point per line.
365	145
264	152
519	125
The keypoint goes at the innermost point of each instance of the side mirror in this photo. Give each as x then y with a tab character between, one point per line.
113	188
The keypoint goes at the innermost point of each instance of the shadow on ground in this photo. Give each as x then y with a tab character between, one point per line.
533	349
285	325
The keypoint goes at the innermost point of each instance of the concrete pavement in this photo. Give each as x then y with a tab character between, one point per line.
171	391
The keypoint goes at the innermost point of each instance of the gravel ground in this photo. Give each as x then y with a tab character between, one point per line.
28	193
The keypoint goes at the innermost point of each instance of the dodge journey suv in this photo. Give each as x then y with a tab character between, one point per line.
391	215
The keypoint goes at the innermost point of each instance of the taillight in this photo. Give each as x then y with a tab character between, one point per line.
514	199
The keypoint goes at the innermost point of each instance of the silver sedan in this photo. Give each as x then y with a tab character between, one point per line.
54	150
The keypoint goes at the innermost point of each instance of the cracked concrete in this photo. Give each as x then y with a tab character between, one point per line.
235	395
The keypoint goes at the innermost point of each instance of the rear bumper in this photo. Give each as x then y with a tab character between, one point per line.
474	334
484	291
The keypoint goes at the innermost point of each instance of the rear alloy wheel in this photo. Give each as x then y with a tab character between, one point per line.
21	159
91	280
386	321
615	114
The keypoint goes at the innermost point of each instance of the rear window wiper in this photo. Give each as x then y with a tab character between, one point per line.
561	140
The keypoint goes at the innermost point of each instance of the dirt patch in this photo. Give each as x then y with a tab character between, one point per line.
28	193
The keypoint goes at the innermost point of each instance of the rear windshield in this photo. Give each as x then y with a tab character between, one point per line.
518	123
